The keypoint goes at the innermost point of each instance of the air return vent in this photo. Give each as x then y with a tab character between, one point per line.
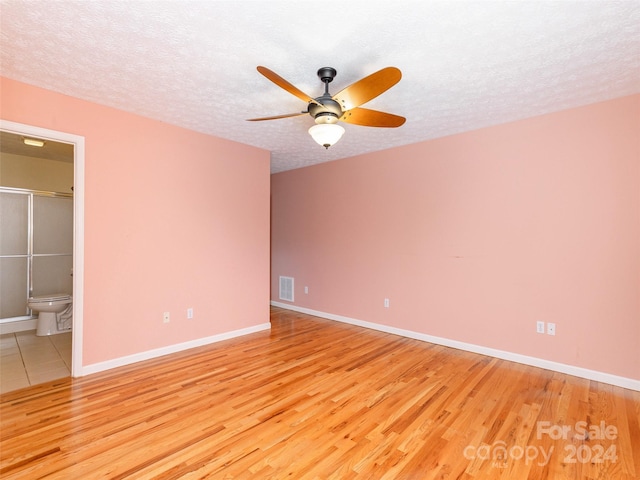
286	289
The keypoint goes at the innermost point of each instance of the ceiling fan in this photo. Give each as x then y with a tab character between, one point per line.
344	106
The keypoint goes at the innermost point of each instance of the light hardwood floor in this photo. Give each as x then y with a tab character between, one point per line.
316	399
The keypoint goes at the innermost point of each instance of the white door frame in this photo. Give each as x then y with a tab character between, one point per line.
78	226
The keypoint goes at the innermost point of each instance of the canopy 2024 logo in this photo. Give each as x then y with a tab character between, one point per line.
500	454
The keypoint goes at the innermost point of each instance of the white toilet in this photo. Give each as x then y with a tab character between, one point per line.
55	313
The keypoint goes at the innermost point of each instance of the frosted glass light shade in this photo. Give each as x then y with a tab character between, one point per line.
34	142
326	134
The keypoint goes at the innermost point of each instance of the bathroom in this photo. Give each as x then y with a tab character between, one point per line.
36	259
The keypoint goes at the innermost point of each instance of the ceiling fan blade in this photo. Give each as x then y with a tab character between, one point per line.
286	115
367	88
372	118
282	83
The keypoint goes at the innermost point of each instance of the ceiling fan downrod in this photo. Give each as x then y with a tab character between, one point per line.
326	75
327	110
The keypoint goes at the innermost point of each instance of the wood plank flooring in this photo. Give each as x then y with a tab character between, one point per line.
316	399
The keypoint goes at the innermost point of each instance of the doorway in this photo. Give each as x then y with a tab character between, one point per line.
78	224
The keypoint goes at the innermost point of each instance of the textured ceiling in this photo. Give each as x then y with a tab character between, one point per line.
193	63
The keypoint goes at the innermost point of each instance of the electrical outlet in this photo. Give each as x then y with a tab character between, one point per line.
306	290
386	303
165	317
540	327
189	313
551	328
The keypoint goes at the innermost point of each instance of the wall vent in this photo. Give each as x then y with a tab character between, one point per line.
286	288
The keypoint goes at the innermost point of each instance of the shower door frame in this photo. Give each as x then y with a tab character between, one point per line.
78	226
30	256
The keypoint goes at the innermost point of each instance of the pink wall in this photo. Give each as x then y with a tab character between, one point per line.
475	237
173	219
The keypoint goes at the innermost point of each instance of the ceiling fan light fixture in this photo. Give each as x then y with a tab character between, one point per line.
326	134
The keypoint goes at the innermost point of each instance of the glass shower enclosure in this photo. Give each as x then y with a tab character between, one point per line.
36	248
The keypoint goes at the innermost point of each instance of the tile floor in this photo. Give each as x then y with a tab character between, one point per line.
28	360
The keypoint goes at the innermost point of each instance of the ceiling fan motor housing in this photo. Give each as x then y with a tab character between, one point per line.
328	111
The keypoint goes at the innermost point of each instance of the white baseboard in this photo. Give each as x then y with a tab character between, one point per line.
19	326
623	382
159	352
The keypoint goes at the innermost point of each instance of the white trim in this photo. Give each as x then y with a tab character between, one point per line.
178	347
78	226
623	382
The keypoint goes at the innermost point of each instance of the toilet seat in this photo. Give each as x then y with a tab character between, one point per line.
56	297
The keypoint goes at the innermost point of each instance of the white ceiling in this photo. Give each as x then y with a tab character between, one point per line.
193	63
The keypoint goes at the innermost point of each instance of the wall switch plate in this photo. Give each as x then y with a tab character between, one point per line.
551	328
189	313
386	303
306	289
540	327
165	317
